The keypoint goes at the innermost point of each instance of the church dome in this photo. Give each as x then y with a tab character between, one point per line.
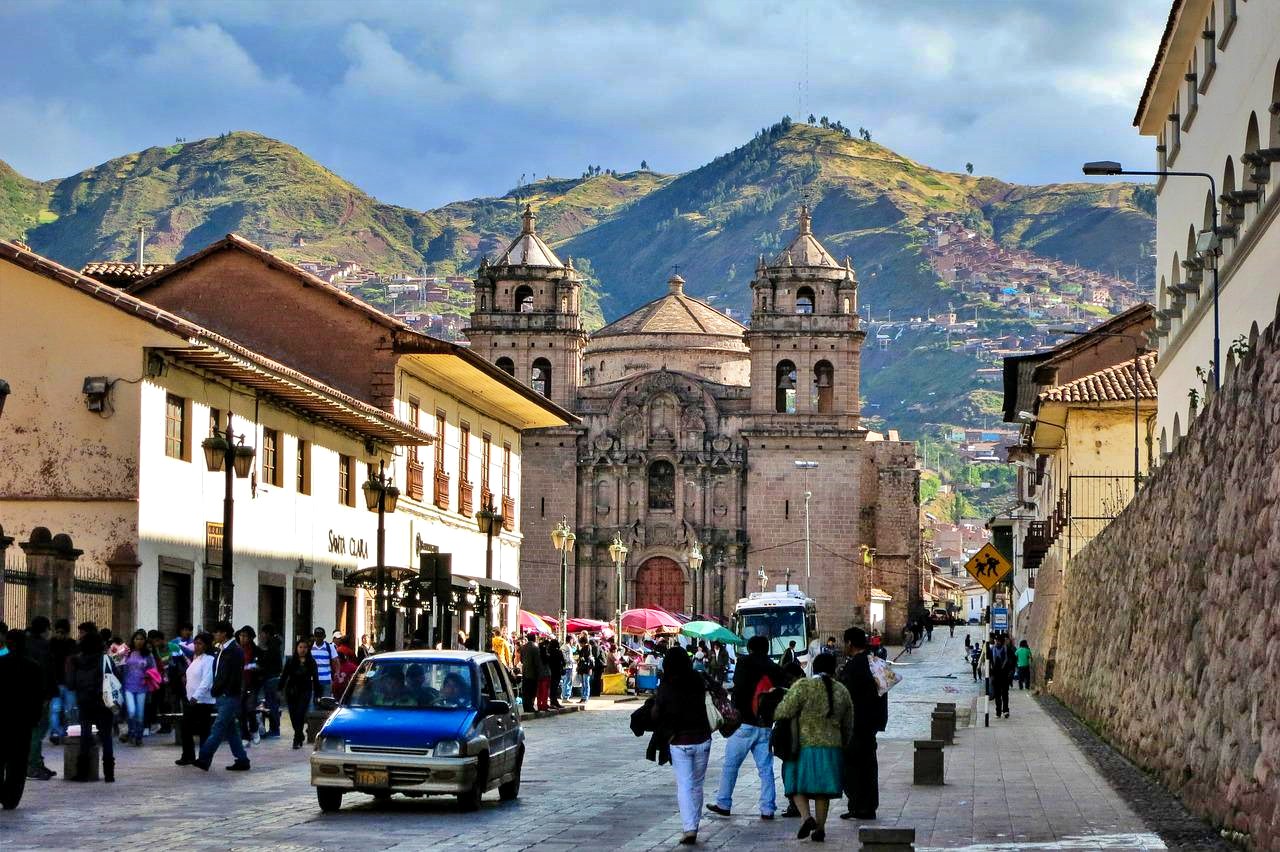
805	250
528	249
675	331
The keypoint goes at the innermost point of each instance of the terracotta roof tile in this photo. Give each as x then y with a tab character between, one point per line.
1112	384
674	313
102	269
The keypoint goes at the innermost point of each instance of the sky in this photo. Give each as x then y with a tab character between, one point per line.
423	103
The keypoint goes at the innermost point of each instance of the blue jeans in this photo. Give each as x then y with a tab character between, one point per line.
62	710
690	765
226	726
566	683
271	692
135	708
584	683
754	741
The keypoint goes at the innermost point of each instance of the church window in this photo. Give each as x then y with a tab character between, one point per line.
540	377
804	300
507	366
524	299
662	485
846	304
823	387
785	388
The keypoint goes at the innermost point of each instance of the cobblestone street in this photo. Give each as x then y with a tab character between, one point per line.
1020	784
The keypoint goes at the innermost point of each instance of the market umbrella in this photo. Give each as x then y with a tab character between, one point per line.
531	622
644	620
710	631
589	625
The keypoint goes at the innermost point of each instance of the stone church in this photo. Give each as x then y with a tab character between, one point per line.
696	429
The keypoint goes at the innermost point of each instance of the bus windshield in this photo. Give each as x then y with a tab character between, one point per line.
780	626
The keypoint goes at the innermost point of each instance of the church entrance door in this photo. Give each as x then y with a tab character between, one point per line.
660	583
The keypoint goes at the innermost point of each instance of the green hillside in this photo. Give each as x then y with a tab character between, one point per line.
21	202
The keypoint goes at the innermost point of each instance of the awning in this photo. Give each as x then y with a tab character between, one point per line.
367	578
502	588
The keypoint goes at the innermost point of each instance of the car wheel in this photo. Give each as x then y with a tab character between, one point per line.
508	791
382	796
470	800
330	799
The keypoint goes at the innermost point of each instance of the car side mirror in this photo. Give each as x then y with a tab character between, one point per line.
497	707
327	703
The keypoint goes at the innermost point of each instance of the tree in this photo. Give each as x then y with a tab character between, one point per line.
813	119
865	134
824	121
968	167
644	165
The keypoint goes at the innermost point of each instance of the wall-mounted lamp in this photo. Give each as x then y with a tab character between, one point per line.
95	392
4	394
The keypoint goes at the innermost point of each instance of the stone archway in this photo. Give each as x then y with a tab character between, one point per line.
660	583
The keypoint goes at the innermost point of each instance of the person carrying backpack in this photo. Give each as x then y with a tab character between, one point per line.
756	676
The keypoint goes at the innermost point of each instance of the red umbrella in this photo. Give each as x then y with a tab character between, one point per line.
531	622
644	620
589	625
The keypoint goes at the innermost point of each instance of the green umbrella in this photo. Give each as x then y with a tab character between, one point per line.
709	631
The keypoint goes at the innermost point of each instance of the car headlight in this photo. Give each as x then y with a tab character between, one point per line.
330	744
448	748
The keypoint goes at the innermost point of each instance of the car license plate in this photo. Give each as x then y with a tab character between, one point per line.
372	778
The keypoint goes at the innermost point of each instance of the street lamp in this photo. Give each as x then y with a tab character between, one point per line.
222	453
380	496
720	585
762	577
1206	243
618	553
695	568
1137	351
4	394
489	521
806	466
562	538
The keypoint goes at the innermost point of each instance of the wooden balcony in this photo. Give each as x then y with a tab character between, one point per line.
414	488
465	491
442	490
508	513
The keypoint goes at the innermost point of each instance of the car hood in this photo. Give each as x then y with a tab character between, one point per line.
399	728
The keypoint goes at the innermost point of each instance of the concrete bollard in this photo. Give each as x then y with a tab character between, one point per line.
887	839
943	724
928	763
71	746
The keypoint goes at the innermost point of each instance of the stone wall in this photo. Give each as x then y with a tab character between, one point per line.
1168	625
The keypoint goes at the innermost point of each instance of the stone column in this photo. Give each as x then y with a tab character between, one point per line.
5	541
51	561
123	567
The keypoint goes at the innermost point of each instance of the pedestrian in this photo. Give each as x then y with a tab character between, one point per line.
789	655
825	714
530	672
830	646
270	661
870	716
1023	657
908	639
40	654
1001	662
366	648
877	647
553	663
583	668
756	676
566	671
85	671
181	650
228	684
136	663
197	713
62	707
927	623
500	648
951	625
544	674
597	669
974	654
325	654
23	706
300	683
158	699
249	684
680	707
343	670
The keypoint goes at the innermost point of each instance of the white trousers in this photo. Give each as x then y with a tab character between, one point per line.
690	765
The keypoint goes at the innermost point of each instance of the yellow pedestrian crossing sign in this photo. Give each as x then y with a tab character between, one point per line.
988	566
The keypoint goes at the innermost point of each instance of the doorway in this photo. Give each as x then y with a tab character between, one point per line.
174	603
660	584
302	613
271	606
345	617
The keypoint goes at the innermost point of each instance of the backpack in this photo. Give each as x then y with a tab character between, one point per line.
765	700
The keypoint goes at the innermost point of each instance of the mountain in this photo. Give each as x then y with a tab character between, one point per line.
625	231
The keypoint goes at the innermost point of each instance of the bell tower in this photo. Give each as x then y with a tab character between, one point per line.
805	338
527	316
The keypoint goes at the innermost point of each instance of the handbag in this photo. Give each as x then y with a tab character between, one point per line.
730	718
784	741
883	674
714	719
153	679
112	691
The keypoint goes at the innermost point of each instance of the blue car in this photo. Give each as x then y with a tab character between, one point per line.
421	723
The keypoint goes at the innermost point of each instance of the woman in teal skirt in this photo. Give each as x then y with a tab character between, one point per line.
824	711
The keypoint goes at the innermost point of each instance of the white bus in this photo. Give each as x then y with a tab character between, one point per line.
782	617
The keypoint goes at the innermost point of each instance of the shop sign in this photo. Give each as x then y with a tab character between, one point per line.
348	546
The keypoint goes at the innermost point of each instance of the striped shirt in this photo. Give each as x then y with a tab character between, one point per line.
324	654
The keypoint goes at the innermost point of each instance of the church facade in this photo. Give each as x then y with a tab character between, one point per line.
698	431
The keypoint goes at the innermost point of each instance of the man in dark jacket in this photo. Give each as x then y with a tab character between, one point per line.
756	675
530	672
870	716
1001	665
40	653
21	710
270	665
228	683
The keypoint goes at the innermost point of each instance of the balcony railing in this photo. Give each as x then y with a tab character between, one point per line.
465	490
415	480
442	490
508	513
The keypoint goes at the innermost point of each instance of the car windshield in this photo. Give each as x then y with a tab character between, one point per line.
412	684
779	626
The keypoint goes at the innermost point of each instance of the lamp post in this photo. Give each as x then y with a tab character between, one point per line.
562	538
720	586
806	466
762	577
695	568
380	496
618	553
222	453
489	521
4	394
1206	243
1137	351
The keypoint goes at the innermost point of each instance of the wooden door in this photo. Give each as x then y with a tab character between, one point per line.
660	584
